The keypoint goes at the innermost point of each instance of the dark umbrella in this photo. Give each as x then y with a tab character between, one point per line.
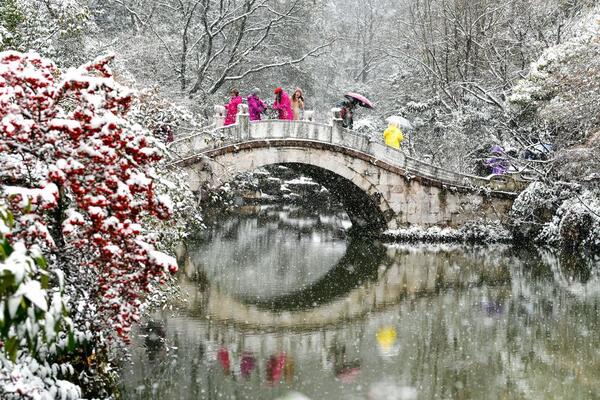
362	100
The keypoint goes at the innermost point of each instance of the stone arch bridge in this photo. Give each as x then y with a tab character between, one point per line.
380	187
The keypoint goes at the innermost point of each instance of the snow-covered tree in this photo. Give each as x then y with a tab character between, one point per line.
53	28
560	94
557	103
68	135
201	47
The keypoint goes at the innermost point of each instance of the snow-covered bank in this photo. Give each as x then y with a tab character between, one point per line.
558	214
471	233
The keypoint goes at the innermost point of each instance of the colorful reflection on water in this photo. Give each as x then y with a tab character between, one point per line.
279	301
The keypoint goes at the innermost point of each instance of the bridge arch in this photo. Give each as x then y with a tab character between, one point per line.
365	207
360	195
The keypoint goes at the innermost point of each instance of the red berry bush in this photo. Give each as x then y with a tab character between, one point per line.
79	178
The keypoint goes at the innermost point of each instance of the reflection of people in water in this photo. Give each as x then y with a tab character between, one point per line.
224	360
345	370
154	341
493	308
275	367
289	370
247	364
386	339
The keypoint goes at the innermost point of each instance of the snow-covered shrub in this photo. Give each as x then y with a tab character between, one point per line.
75	143
166	122
31	311
474	232
533	208
34	328
482	232
560	213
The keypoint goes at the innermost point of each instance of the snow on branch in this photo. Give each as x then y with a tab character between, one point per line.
263	67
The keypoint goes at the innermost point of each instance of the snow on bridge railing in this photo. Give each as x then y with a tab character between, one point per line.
245	130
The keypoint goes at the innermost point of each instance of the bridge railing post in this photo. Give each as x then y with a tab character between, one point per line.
336	125
243	122
219	116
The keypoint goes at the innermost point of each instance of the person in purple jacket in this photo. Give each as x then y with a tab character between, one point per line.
497	164
255	105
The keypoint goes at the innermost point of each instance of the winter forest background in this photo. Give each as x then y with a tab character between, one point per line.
468	74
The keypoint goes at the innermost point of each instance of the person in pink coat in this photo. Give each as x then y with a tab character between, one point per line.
283	104
232	106
255	105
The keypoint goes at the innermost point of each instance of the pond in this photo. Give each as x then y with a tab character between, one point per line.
282	304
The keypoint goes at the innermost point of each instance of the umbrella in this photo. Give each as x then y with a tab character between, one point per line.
400	121
362	100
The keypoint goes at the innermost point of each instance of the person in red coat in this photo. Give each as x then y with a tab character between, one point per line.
283	104
232	107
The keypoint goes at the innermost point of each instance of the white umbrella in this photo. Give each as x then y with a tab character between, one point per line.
400	122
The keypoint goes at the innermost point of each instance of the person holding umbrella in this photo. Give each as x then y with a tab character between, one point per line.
393	135
347	113
347	107
497	164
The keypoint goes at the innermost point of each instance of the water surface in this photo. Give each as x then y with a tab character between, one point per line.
279	300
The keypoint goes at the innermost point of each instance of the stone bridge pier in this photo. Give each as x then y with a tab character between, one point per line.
380	187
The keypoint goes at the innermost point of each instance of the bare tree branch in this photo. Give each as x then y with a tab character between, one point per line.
278	64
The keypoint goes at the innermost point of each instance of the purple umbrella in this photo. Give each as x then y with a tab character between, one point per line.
362	100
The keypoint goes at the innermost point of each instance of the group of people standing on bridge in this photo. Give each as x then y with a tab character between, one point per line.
292	108
287	108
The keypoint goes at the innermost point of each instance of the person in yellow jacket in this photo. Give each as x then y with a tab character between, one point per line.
393	135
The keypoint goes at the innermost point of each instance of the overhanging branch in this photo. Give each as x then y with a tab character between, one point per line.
263	67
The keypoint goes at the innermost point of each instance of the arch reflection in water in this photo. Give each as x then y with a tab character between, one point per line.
367	279
274	251
431	321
